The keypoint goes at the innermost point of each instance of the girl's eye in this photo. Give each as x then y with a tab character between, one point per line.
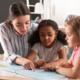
50	35
69	35
42	35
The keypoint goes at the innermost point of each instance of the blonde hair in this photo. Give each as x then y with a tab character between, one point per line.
74	23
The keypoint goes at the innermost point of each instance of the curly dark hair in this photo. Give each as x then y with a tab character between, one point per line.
34	38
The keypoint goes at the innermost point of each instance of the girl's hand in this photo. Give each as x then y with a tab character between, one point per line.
39	63
48	67
28	64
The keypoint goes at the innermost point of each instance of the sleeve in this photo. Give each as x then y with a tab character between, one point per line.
78	53
9	55
60	46
35	47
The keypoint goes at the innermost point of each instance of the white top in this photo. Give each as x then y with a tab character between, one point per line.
48	54
13	44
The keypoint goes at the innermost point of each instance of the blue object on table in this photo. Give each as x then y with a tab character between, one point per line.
38	74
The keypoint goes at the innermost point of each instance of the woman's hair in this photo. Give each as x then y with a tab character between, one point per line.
17	9
74	23
34	38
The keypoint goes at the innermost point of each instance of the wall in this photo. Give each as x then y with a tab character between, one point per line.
4	6
60	9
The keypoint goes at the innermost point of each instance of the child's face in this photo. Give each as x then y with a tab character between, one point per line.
21	24
47	36
71	37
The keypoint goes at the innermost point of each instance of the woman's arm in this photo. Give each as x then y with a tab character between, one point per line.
73	72
9	54
26	63
6	44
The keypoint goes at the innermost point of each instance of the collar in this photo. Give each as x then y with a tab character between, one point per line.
76	48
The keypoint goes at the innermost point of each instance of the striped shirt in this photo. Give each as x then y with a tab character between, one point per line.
13	44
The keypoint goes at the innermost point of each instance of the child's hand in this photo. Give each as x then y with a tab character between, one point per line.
48	67
39	63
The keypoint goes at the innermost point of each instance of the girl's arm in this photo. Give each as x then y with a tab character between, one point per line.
73	72
68	64
37	63
31	55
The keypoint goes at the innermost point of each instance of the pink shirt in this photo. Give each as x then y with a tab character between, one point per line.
76	54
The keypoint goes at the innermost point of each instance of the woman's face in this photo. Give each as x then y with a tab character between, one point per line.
47	36
21	24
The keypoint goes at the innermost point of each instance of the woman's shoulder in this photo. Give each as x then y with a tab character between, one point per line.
3	26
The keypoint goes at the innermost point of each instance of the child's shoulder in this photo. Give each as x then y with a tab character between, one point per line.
37	44
58	42
77	51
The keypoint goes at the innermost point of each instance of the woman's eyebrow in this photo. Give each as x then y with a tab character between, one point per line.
27	20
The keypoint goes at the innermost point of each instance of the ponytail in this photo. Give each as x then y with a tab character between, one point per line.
34	38
61	37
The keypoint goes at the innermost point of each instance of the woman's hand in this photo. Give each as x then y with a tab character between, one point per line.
39	63
28	64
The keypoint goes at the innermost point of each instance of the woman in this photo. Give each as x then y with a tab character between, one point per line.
14	35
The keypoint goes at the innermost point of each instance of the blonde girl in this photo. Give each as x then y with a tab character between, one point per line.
72	67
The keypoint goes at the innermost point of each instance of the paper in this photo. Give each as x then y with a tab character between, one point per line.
38	74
